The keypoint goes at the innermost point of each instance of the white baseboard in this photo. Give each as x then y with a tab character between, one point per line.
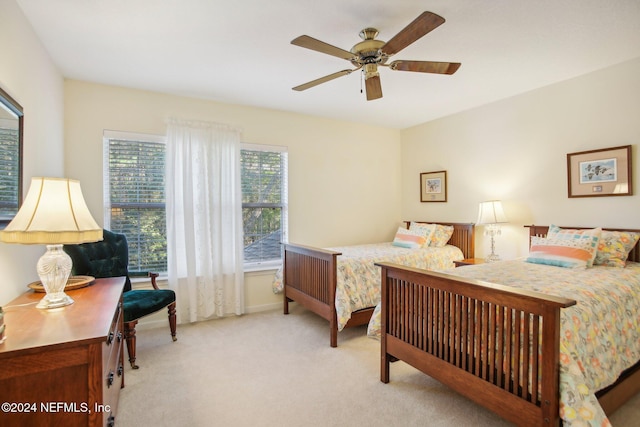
264	307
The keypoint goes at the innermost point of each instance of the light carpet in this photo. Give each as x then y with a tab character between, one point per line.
268	369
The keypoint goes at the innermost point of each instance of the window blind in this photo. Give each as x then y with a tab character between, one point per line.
135	205
264	202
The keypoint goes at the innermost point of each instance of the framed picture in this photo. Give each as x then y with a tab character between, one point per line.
433	186
597	173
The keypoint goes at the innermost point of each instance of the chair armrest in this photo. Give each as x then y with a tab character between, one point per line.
153	280
149	274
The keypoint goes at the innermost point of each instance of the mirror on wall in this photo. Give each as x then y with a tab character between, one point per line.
11	139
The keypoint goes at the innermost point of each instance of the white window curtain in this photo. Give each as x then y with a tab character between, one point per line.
204	219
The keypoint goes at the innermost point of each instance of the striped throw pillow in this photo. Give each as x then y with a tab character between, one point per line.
590	236
562	252
408	239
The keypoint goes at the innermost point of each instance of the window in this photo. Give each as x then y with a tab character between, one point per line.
134	197
264	203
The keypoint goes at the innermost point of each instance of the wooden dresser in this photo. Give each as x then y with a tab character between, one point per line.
63	366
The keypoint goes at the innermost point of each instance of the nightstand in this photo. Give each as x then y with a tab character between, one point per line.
469	261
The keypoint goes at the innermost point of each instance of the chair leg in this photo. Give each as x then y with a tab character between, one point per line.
130	337
172	320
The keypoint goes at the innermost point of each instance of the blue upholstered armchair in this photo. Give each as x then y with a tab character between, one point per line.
110	258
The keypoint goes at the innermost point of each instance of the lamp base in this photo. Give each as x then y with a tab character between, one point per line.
492	258
493	230
51	301
54	268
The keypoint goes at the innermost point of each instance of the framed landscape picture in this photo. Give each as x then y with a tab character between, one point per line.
596	173
433	186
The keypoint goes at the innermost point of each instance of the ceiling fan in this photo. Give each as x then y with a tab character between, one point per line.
370	53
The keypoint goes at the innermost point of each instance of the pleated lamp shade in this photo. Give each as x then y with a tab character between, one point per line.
53	212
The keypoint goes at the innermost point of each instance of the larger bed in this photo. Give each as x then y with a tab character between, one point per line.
315	278
544	345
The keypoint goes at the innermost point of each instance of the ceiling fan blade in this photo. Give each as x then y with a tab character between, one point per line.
425	66
324	79
322	47
420	26
373	87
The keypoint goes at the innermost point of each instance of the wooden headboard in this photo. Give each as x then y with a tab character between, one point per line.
541	231
463	236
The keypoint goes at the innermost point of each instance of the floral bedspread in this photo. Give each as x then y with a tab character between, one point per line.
599	336
358	279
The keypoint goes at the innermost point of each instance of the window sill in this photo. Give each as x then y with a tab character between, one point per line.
264	266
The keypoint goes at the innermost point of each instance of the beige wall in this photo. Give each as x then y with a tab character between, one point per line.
343	177
28	76
515	150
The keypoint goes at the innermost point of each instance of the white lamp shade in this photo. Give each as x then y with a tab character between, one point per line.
53	212
491	212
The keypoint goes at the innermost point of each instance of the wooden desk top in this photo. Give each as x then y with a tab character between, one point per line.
88	319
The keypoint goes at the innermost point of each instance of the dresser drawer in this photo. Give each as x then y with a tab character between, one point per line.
112	382
113	372
115	335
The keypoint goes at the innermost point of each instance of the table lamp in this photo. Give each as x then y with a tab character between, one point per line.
53	213
491	214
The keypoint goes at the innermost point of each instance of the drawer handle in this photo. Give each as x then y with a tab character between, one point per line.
119	335
110	338
110	379
120	370
111	421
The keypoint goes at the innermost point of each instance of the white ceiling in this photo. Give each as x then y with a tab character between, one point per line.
239	51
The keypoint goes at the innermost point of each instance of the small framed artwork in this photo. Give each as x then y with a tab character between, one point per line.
433	186
597	173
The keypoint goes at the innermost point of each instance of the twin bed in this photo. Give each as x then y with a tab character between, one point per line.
342	285
547	343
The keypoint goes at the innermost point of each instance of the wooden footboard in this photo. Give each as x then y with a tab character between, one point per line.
310	278
469	335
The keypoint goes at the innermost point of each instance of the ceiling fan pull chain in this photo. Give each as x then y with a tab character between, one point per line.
361	79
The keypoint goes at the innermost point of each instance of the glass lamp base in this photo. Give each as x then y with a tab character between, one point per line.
54	268
48	301
492	258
